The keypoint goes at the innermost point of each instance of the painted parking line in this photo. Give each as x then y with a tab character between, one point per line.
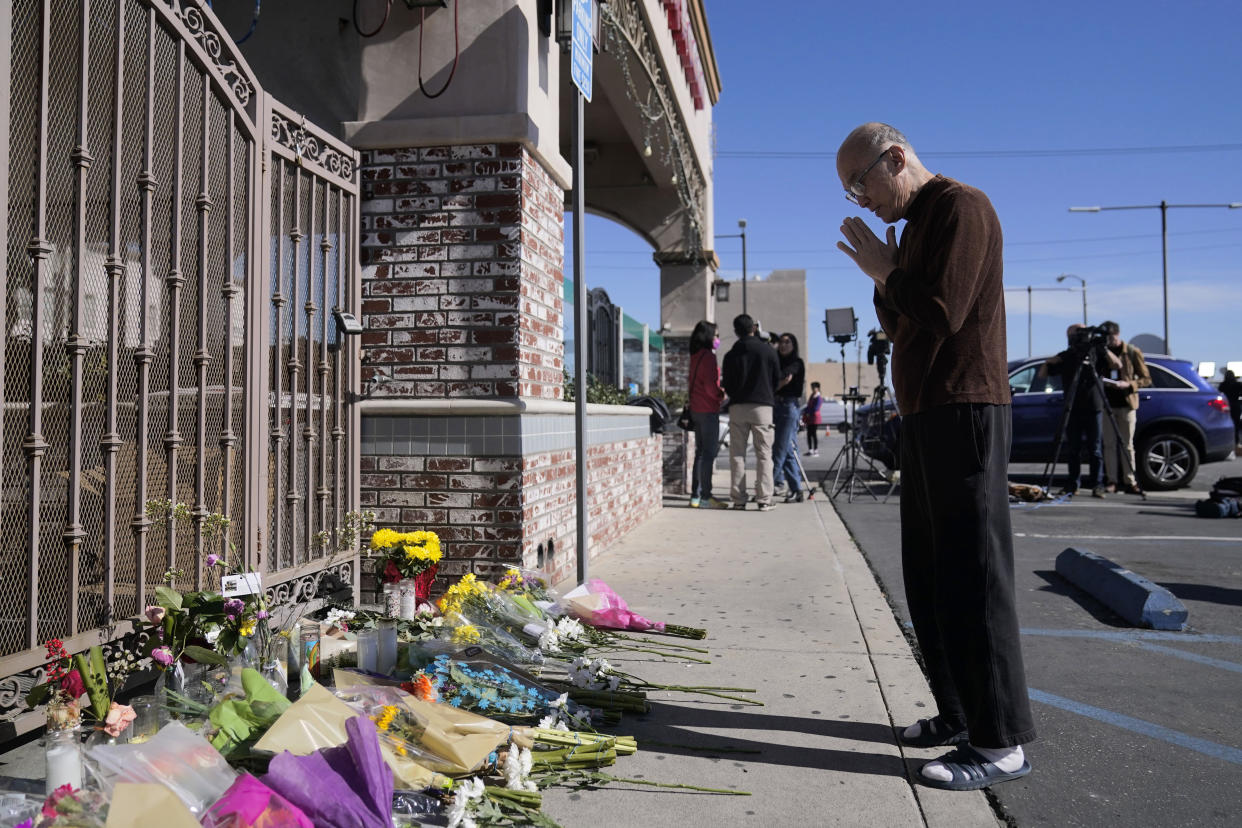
1144	728
1218	663
1135	635
1206	538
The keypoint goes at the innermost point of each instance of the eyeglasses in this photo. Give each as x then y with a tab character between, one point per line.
857	190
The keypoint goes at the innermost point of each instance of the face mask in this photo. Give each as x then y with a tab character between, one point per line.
716	344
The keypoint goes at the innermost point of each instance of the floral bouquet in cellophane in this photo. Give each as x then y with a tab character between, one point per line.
403	555
596	603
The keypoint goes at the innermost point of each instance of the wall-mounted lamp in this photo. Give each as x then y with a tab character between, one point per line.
720	288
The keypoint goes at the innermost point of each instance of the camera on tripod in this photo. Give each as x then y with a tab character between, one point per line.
1085	337
878	350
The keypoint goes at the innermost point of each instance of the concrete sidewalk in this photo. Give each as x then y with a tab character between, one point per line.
791	609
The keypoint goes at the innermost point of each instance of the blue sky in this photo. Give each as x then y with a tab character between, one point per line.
998	95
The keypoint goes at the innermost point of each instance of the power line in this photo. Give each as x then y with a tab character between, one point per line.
1014	153
813	250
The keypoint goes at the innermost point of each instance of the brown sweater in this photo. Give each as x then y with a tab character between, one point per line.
944	304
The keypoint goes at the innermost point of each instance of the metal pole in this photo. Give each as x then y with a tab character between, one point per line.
1084	301
1029	348
1164	274
743	223
580	337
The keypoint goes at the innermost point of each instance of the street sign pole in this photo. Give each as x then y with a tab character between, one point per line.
581	54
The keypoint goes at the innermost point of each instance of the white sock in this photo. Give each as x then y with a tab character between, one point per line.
1007	759
913	731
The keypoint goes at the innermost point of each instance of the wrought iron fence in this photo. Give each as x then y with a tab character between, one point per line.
176	243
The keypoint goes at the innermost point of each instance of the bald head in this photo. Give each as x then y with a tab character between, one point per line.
880	171
875	137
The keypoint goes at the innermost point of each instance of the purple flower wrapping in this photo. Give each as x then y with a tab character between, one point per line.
342	787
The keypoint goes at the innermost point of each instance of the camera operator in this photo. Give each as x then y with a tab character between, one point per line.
1086	414
1127	373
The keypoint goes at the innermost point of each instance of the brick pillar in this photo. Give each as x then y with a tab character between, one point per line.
462	250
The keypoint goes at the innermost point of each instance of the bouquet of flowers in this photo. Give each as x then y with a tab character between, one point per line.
69	678
597	604
404	555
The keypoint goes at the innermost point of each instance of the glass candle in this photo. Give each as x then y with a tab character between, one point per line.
64	759
147	719
387	660
392	600
368	647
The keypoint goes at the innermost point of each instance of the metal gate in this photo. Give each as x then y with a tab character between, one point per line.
176	243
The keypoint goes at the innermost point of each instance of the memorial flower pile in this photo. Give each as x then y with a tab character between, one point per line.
481	705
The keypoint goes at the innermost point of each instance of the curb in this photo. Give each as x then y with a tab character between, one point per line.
1130	595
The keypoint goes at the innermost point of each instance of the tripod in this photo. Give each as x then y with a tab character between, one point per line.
844	471
1085	359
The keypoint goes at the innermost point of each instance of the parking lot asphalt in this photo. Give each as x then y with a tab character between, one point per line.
1136	727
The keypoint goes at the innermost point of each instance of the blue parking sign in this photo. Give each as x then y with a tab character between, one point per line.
582	48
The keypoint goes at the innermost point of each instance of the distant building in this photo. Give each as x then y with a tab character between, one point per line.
778	301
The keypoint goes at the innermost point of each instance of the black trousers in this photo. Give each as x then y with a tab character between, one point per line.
957	561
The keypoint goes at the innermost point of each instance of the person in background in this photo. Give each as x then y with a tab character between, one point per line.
705	399
1127	373
785	417
813	419
751	372
1231	388
1085	424
939	296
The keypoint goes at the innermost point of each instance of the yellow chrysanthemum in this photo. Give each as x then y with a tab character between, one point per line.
466	634
384	539
247	628
384	720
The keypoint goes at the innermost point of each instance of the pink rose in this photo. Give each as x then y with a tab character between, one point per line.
156	614
162	655
119	718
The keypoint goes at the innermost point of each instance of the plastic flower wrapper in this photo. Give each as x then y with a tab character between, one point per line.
176	757
241	721
466	626
451	741
69	807
490	690
317	720
530	587
340	787
597	604
250	803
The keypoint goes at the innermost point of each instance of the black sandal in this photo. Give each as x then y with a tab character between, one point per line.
971	771
933	732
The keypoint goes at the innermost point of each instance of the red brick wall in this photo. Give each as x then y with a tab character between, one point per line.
623	487
491	513
462	251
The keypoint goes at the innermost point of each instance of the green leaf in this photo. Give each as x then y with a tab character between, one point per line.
204	655
168	598
39	694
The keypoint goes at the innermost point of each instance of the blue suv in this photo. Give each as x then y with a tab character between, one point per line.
1182	422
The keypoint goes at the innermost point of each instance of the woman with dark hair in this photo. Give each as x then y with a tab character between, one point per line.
705	399
785	417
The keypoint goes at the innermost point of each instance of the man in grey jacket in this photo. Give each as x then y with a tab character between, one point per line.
749	375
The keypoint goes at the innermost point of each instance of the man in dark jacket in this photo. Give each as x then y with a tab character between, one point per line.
750	374
939	297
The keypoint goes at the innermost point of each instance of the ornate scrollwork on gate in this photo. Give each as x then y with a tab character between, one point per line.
307	146
312	585
201	27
